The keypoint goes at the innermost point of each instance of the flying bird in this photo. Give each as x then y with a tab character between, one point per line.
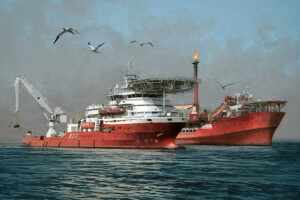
95	50
65	29
142	43
223	86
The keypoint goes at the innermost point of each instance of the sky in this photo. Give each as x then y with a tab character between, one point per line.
241	41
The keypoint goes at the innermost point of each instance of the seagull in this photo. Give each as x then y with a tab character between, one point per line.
95	49
223	86
65	29
142	43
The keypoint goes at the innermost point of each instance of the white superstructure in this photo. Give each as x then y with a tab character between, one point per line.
138	101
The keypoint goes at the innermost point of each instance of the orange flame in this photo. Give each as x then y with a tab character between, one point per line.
196	56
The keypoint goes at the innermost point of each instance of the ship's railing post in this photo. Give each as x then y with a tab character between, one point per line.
164	101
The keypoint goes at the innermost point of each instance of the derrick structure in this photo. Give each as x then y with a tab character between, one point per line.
194	115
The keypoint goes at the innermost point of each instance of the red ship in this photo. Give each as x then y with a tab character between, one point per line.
239	120
137	115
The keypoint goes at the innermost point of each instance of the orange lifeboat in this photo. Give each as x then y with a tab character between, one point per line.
88	125
113	111
104	112
117	111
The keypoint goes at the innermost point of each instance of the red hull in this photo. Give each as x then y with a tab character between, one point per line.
250	129
147	135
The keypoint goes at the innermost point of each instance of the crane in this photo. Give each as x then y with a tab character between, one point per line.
56	116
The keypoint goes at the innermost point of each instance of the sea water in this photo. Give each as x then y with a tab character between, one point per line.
196	172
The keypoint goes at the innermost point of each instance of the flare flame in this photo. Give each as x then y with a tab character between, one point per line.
196	56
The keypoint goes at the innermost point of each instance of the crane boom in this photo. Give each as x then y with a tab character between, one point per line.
57	116
33	92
